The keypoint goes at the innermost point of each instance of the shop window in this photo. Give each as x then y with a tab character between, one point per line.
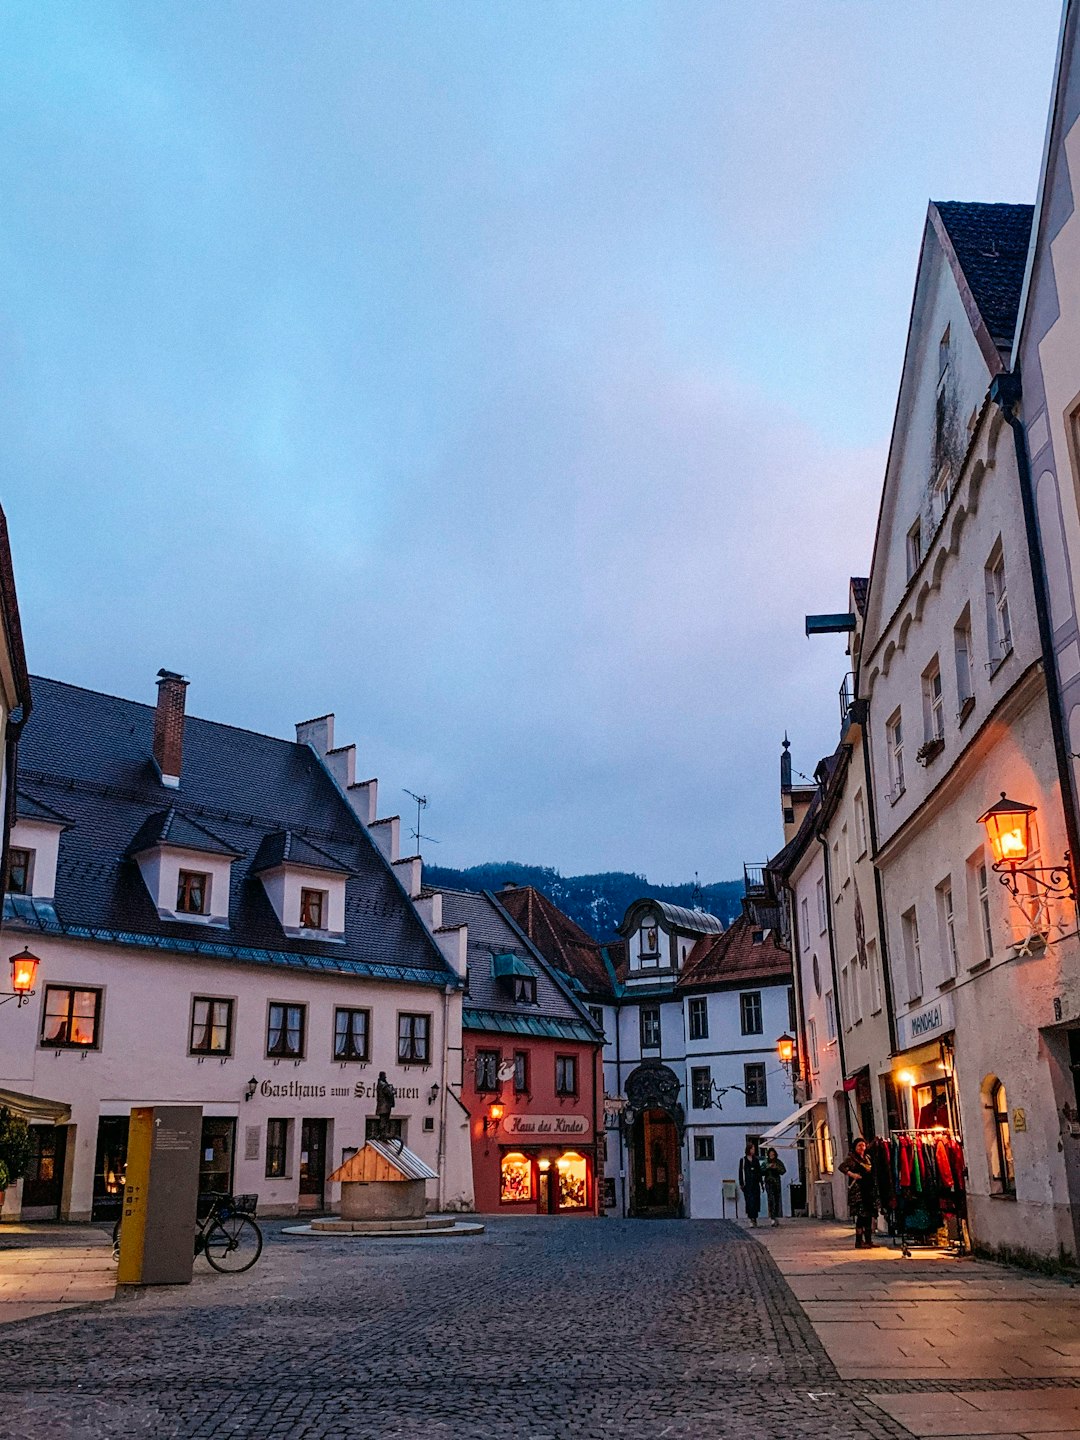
697	1011
192	893
487	1070
701	1087
414	1039
515	1179
285	1032
754	1084
71	1019
211	1026
352	1030
573	1181
20	871
313	909
1003	1175
277	1149
650	1027
566	1075
750	1012
521	1072
704	1147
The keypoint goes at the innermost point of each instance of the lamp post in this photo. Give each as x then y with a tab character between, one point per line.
1008	828
23	973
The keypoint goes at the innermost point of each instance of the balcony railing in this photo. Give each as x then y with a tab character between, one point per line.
756	882
847	697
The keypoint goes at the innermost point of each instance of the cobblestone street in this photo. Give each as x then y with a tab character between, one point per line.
538	1328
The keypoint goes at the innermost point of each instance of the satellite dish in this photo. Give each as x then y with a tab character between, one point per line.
506	1070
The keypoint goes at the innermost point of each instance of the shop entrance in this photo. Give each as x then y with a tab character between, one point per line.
312	1164
110	1166
654	1144
44	1181
218	1149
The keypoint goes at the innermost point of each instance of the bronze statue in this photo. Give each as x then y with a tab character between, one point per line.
385	1095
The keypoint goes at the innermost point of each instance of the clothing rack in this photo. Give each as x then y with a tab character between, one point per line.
954	1194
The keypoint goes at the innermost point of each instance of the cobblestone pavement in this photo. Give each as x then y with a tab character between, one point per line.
537	1330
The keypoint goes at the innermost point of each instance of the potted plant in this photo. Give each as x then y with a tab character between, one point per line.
15	1149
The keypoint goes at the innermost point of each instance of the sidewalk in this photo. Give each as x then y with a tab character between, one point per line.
934	1317
51	1267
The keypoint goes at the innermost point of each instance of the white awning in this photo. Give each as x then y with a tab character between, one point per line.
793	1119
34	1107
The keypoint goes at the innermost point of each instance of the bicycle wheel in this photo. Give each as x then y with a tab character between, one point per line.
234	1244
116	1239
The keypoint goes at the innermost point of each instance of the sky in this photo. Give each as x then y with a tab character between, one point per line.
509	379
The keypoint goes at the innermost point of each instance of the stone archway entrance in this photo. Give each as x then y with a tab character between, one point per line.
654	1127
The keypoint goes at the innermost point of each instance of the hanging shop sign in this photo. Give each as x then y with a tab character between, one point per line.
545	1125
929	1022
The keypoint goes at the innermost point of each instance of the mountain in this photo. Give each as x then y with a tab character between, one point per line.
596	902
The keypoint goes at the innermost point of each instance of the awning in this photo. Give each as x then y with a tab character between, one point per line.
35	1107
793	1119
511	965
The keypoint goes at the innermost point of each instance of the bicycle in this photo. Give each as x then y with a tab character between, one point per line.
225	1232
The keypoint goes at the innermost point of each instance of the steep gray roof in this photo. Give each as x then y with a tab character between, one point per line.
991	244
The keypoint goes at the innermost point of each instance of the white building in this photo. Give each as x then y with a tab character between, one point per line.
222	921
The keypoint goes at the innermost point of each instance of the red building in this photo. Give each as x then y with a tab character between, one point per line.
533	1073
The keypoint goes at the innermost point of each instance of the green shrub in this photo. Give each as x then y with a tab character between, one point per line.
15	1147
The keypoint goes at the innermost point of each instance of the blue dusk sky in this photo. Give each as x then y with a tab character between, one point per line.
508	378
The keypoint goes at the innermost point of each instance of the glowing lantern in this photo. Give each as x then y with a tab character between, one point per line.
785	1048
23	972
1008	828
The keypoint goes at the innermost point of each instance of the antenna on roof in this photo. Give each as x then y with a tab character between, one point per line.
421	806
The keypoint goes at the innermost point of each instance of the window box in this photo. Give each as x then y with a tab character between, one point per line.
930	750
965	709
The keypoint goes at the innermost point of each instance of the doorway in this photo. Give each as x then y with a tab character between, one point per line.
216	1160
43	1183
655	1145
312	1164
110	1166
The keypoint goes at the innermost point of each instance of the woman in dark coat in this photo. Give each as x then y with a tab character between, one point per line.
750	1182
772	1171
862	1192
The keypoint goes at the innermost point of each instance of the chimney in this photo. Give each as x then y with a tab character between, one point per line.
169	727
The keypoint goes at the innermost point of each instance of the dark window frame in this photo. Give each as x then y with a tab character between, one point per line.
704	1148
409	1051
751	1010
281	1053
755	1085
188	883
701	1095
71	991
486	1071
210	1024
27	867
312	898
352	1057
697	1017
521	1072
647	1015
277	1148
566	1065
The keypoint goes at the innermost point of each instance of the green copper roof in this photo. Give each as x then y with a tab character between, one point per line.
508	964
545	1027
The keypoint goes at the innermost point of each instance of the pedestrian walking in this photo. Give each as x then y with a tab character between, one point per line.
773	1169
750	1182
862	1192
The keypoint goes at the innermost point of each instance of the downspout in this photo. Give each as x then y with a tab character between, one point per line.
11	767
441	1164
861	717
1005	391
838	1014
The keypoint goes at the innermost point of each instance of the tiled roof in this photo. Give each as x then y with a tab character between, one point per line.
285	847
561	941
28	807
89	755
491	933
991	244
860	584
170	827
733	958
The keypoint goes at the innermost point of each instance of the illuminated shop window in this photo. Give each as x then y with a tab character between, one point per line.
573	1181
515	1179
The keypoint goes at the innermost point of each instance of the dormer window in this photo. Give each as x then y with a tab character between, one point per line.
313	909
20	871
192	893
525	990
516	976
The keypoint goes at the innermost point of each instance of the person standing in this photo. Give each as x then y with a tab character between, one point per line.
862	1192
773	1170
750	1182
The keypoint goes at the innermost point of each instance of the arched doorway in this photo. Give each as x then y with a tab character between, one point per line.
654	1126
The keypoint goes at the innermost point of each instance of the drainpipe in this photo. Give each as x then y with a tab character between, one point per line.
861	715
837	1011
441	1164
1005	391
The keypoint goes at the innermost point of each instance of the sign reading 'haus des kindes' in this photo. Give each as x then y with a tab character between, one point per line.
545	1125
297	1090
929	1022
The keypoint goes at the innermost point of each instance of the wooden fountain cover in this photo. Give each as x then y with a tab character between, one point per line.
383	1160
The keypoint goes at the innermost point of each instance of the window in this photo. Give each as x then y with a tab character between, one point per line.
487	1069
804	907
792	1018
20	871
650	1027
1004	1176
351	1034
830	1016
285	1032
277	1149
414	1039
754	1085
826	1149
873	970
750	1012
965	681
912	953
845	851
947	925
697	1011
515	1179
856	991
565	1074
861	837
914	548
894	735
983	899
572	1181
811	1040
815	970
942	490
313	909
525	989
944	347
71	1019
701	1087
597	1013
822	913
192	893
998	623
704	1148
933	703
211	1026
521	1072
845	997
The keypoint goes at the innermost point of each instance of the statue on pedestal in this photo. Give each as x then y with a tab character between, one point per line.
385	1095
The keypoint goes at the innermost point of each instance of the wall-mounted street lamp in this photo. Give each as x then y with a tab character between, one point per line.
23	973
433	1093
785	1049
250	1088
1008	828
493	1119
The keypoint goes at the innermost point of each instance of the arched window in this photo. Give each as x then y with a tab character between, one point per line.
1002	1160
